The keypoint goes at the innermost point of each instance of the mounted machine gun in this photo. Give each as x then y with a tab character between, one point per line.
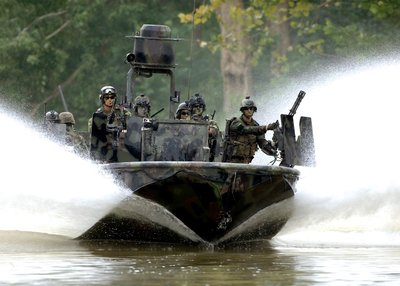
293	152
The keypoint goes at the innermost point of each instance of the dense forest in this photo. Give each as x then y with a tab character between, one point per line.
229	48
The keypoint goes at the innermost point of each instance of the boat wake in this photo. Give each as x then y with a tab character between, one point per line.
48	189
351	197
136	207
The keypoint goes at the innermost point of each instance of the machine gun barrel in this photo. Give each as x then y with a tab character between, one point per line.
162	109
296	104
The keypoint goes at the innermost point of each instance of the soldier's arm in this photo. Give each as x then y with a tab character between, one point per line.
238	127
266	146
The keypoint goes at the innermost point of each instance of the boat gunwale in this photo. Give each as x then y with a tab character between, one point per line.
126	166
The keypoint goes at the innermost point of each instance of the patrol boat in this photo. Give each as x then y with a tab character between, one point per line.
166	164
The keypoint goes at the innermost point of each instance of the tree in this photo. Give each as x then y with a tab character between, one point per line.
288	37
235	59
79	45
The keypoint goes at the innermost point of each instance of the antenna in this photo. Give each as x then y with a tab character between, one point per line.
191	49
62	98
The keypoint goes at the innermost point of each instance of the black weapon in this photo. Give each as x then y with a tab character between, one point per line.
150	123
157	112
227	144
277	138
295	152
212	116
115	130
296	104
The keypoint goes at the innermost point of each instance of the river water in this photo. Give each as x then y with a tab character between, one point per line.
344	230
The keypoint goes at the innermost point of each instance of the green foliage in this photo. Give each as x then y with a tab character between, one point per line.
81	45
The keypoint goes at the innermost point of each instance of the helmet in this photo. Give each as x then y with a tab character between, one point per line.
247	102
107	90
66	118
197	100
142	100
52	116
182	106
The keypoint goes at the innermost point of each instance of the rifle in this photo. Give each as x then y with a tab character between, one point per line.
212	116
227	145
150	122
115	130
157	112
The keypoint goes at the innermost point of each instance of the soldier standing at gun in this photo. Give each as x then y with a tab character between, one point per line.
107	124
243	136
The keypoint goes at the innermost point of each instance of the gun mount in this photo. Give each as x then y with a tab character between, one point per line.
298	152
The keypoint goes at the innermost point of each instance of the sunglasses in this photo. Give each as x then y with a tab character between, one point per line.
185	113
248	108
109	97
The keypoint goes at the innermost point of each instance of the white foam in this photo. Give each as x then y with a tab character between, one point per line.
45	188
351	196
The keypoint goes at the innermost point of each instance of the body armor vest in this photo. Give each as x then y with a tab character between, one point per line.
244	145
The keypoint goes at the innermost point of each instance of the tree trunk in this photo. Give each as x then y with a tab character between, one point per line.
235	59
281	28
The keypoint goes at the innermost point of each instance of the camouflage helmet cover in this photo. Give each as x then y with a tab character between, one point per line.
197	100
247	102
67	118
52	116
142	100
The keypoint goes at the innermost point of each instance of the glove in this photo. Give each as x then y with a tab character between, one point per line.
269	149
273	126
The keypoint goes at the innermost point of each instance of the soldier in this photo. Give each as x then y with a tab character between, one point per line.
108	125
52	117
51	126
141	110
183	111
142	106
197	107
73	138
245	135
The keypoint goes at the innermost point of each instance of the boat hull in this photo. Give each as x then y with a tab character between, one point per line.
206	202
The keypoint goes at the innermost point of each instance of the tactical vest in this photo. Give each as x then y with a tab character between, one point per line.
244	145
239	147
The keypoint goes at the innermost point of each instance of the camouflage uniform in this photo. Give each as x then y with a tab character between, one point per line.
107	129
72	137
245	139
246	136
213	129
77	141
141	110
